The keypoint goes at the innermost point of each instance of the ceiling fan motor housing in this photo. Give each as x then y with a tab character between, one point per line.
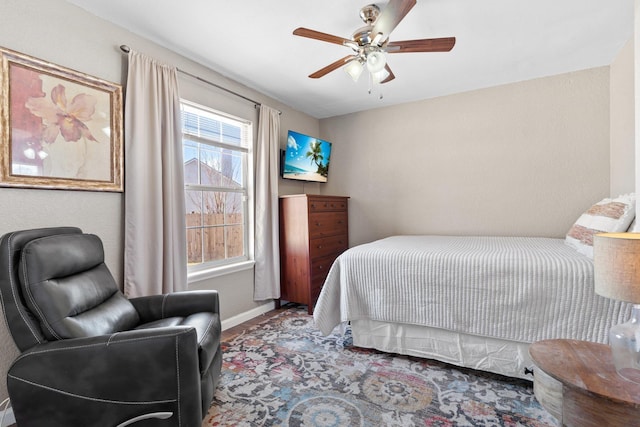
362	36
369	13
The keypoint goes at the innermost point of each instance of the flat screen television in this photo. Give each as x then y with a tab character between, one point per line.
306	158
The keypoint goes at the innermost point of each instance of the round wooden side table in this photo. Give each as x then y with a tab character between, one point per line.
577	383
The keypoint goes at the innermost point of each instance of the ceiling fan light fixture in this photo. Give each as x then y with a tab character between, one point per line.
354	69
380	75
376	62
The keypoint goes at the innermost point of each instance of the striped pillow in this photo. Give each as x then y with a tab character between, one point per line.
606	216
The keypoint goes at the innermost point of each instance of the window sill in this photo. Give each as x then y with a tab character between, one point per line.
197	276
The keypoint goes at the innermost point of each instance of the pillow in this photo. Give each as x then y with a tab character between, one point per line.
606	216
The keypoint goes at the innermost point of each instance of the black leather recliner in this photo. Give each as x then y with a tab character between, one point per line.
92	357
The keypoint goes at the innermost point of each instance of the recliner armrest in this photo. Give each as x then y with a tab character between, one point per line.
183	304
115	377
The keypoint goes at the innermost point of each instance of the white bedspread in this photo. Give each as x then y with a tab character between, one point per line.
514	288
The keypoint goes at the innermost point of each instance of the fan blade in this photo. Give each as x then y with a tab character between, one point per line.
333	66
391	16
390	77
444	44
317	35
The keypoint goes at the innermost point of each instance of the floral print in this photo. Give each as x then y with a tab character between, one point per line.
62	118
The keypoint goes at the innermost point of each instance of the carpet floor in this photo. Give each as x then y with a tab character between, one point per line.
283	372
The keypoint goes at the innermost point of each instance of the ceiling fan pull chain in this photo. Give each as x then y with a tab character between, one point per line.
372	83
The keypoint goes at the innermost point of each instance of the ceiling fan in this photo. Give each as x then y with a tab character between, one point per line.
371	42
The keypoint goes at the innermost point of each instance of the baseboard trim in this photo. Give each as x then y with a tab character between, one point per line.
248	315
9	418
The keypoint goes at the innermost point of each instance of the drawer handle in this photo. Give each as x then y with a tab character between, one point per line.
319	246
318	224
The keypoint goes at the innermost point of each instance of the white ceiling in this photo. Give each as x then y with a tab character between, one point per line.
498	41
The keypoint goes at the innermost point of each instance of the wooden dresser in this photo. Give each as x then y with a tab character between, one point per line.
314	230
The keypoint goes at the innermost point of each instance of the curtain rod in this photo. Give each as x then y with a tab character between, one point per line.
127	49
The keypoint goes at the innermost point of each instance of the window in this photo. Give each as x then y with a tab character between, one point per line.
216	151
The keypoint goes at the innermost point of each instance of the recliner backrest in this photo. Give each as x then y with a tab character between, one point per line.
23	325
68	287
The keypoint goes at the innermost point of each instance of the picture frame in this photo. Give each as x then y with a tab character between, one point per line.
59	128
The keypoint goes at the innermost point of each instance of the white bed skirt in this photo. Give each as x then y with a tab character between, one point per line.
483	353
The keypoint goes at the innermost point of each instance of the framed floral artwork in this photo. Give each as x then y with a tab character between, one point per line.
59	128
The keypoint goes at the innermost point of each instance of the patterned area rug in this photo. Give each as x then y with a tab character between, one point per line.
285	373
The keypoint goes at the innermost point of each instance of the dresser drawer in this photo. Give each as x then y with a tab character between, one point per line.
323	224
320	268
316	285
328	245
315	294
324	204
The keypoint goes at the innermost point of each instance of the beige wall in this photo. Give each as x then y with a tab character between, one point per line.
520	159
517	159
622	122
55	31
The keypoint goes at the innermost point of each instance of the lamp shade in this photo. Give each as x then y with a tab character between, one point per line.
616	265
376	61
380	75
354	69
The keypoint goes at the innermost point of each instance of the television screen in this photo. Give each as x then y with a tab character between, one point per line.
306	158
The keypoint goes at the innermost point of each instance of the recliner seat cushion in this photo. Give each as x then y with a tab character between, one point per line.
208	330
70	289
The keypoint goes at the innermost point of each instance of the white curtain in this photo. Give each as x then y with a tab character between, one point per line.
267	252
155	260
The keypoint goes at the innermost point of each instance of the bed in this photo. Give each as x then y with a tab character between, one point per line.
476	302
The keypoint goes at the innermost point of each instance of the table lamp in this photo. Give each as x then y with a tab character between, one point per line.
616	259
